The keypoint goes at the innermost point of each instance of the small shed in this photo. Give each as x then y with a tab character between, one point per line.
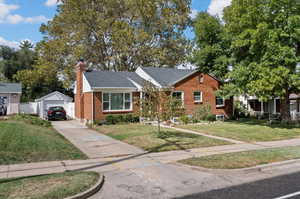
53	99
10	95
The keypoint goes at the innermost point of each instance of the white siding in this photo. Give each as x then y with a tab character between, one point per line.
86	86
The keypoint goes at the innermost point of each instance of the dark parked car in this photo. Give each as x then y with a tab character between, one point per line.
3	110
56	113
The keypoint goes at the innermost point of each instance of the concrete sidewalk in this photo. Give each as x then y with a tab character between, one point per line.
92	143
140	159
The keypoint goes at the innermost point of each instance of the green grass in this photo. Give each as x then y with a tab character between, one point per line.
23	143
245	159
56	186
147	137
248	130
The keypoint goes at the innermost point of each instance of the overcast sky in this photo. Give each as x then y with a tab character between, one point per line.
20	19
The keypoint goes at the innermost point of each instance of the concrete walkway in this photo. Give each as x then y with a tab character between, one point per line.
205	135
92	143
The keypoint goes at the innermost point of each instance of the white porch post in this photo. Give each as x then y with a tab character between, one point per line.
262	107
275	111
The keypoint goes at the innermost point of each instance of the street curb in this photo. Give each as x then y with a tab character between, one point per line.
91	191
266	167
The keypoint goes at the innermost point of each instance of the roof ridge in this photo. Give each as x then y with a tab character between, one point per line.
167	68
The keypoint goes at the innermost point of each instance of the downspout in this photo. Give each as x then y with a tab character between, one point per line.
93	118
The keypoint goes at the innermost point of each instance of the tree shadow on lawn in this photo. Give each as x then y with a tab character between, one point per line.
174	134
173	139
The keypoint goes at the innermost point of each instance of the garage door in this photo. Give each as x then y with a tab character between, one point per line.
51	103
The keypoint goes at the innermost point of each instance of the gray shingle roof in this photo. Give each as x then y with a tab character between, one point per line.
10	88
167	76
109	79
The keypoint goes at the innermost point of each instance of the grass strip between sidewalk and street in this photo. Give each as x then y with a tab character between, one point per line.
147	137
245	159
55	186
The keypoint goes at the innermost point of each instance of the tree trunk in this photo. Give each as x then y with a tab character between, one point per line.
285	108
158	123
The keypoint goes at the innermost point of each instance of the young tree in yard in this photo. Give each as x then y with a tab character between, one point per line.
264	38
158	104
116	34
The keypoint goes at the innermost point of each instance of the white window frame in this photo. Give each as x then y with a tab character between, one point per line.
220	105
124	101
201	78
201	97
220	117
182	95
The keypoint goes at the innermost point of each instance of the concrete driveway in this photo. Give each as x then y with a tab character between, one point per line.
92	143
132	173
137	174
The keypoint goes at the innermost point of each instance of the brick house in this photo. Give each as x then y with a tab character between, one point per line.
100	93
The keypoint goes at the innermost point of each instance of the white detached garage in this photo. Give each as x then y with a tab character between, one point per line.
54	99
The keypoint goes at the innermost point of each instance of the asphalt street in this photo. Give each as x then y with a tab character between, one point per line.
274	188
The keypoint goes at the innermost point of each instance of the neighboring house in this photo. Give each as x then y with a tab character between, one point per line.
54	99
10	95
99	93
258	108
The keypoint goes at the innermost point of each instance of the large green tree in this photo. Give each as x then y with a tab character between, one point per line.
212	54
264	46
13	60
116	34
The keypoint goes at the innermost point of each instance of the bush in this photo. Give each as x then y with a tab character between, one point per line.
202	112
126	118
110	119
30	119
210	118
119	118
194	120
184	119
240	110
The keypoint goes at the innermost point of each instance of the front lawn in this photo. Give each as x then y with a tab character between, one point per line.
245	159
56	186
147	137
21	142
247	130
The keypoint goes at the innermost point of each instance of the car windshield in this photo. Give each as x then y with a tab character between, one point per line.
57	108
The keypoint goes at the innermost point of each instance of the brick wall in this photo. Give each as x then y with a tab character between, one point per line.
88	106
208	88
79	97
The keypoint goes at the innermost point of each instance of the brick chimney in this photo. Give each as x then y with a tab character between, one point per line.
79	97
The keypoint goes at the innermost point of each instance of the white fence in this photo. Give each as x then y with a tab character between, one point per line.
34	109
70	110
29	108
